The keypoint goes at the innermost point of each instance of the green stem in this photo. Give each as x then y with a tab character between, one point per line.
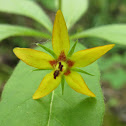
60	4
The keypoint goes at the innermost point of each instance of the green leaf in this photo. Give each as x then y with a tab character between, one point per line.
50	4
71	109
11	30
72	10
72	49
114	33
26	8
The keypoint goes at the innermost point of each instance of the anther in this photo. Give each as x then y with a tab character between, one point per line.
56	73
60	66
59	63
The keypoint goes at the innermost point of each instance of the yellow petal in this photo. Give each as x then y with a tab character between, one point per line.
60	38
85	57
76	82
34	58
47	85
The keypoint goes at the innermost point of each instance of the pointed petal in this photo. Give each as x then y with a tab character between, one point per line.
34	58
76	82
47	85
60	38
85	57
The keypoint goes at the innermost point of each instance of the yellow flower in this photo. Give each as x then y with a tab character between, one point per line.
62	65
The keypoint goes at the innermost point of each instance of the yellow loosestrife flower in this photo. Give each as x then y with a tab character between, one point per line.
62	65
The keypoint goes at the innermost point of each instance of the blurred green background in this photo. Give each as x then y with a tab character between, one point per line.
112	65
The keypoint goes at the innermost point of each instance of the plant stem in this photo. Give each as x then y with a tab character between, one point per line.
60	4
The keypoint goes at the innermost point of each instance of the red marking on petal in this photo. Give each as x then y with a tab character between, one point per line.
62	56
70	63
53	62
67	72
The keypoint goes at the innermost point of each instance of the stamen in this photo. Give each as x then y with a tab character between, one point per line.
56	73
60	66
59	63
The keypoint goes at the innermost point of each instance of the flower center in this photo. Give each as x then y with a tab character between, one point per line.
60	68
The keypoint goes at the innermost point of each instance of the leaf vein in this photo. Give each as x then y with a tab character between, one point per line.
50	110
